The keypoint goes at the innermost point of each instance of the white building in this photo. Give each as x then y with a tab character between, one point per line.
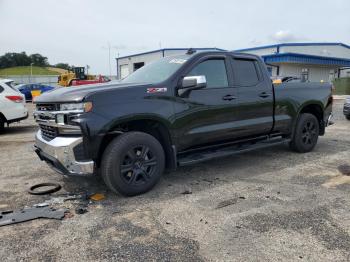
309	61
128	64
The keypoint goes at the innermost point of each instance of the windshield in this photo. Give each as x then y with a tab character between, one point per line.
157	71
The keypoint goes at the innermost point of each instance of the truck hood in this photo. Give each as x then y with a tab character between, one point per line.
78	93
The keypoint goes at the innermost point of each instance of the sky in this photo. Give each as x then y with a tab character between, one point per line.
79	32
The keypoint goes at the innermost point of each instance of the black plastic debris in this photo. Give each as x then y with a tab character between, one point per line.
27	214
187	192
81	210
50	188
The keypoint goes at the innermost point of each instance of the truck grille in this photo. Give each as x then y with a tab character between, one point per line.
48	132
47	107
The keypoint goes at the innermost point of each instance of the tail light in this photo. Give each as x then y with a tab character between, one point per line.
16	99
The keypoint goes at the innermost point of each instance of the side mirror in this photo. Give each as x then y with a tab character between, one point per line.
193	82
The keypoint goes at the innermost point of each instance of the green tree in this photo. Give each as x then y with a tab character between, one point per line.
39	60
63	66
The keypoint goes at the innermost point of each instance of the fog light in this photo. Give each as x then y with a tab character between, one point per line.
60	119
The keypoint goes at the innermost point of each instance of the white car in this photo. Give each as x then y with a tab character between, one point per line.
12	104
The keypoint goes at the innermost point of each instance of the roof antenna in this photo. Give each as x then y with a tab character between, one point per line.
190	51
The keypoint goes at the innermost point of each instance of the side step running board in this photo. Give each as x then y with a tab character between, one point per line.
197	157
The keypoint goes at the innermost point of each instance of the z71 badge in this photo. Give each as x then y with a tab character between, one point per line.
157	90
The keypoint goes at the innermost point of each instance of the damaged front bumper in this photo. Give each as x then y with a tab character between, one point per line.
329	120
59	154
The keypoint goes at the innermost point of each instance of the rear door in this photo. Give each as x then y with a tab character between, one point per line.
207	115
254	103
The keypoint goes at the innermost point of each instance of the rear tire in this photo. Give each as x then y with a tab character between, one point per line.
132	163
348	117
306	134
2	124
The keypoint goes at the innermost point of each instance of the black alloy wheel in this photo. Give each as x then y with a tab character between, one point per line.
138	165
132	163
306	133
309	133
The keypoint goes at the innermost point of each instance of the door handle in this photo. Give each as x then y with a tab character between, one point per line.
264	95
228	97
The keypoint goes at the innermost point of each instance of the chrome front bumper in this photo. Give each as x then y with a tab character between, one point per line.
59	154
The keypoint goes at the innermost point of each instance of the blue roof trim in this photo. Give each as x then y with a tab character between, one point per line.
291	44
171	49
306	59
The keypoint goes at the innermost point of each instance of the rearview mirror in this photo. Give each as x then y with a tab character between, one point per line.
193	82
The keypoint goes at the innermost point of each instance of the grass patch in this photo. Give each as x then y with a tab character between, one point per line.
25	70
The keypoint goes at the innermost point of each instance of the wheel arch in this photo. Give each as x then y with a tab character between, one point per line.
316	109
152	126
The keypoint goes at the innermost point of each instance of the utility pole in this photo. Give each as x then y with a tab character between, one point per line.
109	60
109	47
31	71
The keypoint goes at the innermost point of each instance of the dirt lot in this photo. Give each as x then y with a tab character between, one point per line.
264	205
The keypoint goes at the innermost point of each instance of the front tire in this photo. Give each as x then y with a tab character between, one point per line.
306	134
132	163
348	117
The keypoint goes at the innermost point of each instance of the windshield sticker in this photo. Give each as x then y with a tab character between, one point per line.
177	61
157	90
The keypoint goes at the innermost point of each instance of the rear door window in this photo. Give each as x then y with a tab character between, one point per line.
215	72
12	86
245	72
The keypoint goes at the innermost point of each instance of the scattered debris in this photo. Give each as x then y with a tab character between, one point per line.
242	197
68	215
278	192
344	169
81	210
205	222
337	181
226	203
187	192
62	199
168	223
267	196
97	197
22	215
41	204
53	187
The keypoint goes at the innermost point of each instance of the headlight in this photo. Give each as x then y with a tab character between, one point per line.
79	107
347	100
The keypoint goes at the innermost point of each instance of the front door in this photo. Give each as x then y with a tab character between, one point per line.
206	115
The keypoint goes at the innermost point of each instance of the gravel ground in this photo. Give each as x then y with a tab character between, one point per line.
266	205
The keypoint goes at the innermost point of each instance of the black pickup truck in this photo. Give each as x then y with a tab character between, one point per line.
177	111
